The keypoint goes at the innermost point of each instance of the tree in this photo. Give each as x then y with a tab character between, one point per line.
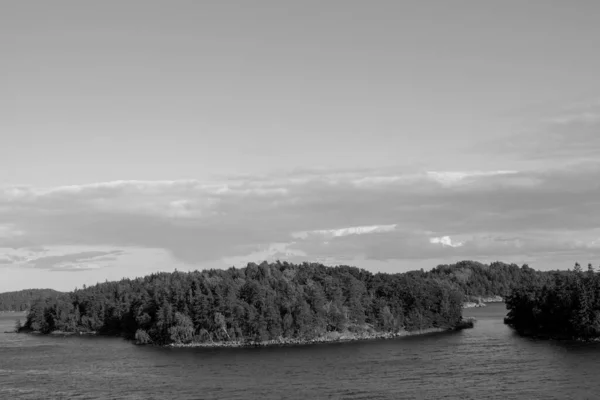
559	304
142	337
183	330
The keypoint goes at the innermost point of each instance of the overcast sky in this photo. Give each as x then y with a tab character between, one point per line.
142	136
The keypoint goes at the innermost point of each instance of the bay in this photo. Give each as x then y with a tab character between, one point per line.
489	361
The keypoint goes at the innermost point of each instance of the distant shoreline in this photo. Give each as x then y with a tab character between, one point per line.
482	301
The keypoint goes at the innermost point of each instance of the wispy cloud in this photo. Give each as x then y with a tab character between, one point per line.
75	266
10	259
354	230
74	261
568	135
449	178
59	259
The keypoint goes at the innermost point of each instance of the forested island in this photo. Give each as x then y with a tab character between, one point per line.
277	303
557	305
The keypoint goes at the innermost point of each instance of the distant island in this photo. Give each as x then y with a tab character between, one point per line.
277	303
557	305
21	300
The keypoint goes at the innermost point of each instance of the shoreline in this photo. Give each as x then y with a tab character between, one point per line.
547	335
559	337
482	302
332	337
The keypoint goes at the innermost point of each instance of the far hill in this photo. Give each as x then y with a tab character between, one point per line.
477	280
22	299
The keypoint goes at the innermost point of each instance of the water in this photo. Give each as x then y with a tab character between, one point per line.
489	361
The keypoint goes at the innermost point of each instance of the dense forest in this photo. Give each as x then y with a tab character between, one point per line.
257	303
281	300
22	300
476	280
563	304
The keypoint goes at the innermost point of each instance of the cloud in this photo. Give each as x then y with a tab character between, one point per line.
64	261
355	214
453	178
445	241
73	260
419	246
583	117
355	230
75	267
8	260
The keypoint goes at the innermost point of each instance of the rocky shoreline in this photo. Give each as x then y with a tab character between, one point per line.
331	337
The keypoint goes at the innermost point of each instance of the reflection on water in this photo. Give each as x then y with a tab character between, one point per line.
489	361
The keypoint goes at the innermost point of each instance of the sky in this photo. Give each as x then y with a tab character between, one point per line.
146	136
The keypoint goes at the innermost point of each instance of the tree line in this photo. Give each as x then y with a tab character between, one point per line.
277	300
255	303
476	279
21	300
559	304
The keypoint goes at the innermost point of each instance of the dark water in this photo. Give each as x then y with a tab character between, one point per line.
487	362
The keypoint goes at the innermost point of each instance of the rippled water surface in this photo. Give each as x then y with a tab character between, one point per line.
487	362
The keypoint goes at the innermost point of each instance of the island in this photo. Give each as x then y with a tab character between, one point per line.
276	303
270	303
557	305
